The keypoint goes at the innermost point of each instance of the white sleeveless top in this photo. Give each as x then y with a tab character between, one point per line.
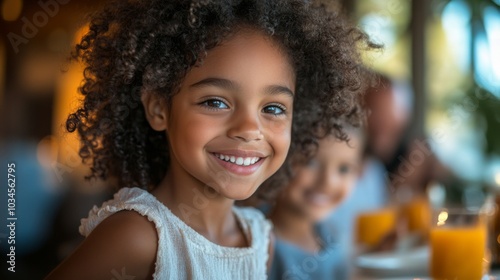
182	252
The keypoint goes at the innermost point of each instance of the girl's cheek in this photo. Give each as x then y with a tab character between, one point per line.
282	129
305	179
351	182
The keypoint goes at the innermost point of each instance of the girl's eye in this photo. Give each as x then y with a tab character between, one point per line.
344	169
215	104
274	109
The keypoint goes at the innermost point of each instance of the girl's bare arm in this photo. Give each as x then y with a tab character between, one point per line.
124	244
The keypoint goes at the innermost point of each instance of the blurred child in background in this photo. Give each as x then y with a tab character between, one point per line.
306	248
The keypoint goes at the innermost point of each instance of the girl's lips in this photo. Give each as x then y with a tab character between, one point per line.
244	164
318	199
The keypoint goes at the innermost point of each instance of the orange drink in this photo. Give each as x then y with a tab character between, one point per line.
418	215
372	226
458	246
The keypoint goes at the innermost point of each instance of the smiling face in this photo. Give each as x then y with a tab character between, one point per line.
318	187
229	126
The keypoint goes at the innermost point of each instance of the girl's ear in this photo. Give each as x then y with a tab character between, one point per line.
155	108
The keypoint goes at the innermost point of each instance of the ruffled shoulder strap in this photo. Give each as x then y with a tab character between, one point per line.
142	202
135	199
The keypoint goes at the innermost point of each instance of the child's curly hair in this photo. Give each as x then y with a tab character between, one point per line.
133	46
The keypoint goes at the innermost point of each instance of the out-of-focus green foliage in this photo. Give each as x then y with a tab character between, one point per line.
487	117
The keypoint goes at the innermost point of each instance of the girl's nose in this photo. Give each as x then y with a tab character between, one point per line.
245	127
329	180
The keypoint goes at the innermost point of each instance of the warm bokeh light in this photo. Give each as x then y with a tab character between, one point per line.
11	9
38	71
442	217
66	100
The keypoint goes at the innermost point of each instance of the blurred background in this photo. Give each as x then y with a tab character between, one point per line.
445	52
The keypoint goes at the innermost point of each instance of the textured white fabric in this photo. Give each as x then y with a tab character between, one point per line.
182	252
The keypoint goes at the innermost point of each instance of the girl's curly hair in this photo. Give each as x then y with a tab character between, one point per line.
138	45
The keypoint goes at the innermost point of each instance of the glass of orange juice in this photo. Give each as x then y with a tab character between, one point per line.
373	226
458	244
418	215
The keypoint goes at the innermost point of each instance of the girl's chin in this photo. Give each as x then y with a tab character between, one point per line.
237	196
236	193
319	214
316	216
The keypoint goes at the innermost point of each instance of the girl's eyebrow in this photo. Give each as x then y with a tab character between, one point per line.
276	89
230	85
216	82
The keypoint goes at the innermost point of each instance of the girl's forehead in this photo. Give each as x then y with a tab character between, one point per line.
246	56
332	146
245	36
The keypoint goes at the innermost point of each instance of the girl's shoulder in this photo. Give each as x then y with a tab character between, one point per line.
132	199
123	243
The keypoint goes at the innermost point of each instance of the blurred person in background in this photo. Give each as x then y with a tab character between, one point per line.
407	160
315	190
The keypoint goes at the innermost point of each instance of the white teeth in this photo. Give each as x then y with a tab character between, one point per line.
238	160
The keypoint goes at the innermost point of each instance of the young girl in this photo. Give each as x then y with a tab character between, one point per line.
188	105
306	248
